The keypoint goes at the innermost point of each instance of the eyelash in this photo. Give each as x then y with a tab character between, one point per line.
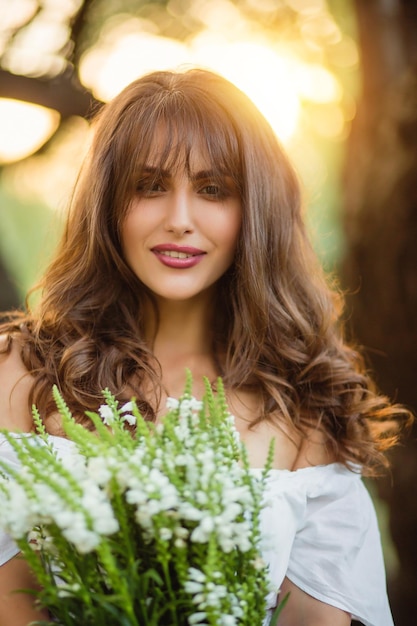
218	192
147	187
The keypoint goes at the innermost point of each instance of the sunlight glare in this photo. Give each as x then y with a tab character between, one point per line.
345	53
317	84
328	121
261	73
49	177
22	11
307	7
24	128
108	69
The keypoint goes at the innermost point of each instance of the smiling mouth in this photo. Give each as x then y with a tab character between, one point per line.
174	254
180	258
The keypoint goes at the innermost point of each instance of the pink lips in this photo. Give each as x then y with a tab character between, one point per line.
193	255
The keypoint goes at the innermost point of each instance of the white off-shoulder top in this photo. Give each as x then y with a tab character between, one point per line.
320	531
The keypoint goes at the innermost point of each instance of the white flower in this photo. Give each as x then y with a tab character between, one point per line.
126	414
74	462
104	522
193	587
189	512
202	532
39	541
181	532
18	512
216	594
106	414
172	404
68	590
196	405
227	620
202	497
98	470
136	496
197	618
129	418
186	408
84	540
258	563
196	574
64	518
165	534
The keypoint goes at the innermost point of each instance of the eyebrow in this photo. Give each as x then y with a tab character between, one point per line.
201	174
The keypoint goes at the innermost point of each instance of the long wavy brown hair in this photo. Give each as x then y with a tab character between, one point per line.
278	323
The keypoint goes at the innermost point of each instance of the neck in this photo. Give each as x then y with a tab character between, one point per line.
182	340
185	326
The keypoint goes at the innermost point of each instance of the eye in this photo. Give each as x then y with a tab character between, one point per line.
156	187
149	187
214	191
211	190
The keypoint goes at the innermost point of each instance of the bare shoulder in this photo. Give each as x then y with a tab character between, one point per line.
15	385
314	450
259	437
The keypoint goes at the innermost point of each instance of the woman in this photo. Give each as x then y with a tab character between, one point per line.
185	248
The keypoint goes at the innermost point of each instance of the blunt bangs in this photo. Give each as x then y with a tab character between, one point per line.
168	127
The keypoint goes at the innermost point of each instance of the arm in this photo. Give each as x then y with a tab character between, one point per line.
15	385
304	610
17	608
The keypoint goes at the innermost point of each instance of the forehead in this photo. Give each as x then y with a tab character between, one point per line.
175	153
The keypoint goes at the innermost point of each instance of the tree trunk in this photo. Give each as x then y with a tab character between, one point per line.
380	268
8	294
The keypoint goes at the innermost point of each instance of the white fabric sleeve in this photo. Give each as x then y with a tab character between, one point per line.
336	556
8	548
285	508
63	447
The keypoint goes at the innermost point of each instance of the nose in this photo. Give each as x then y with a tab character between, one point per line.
179	219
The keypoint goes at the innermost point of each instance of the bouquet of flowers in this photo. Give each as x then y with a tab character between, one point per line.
144	528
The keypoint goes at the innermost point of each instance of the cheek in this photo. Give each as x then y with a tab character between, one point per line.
135	224
131	233
231	231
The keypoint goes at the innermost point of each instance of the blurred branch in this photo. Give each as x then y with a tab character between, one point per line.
77	26
64	93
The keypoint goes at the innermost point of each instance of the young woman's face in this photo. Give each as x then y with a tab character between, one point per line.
181	229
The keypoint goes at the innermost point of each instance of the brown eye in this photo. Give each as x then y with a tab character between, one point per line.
156	187
211	190
149	187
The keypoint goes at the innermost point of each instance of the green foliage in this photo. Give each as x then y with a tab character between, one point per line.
28	233
158	527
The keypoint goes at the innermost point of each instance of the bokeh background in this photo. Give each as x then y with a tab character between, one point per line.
337	79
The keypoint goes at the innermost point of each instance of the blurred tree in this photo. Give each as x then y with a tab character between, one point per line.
381	263
53	80
8	295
